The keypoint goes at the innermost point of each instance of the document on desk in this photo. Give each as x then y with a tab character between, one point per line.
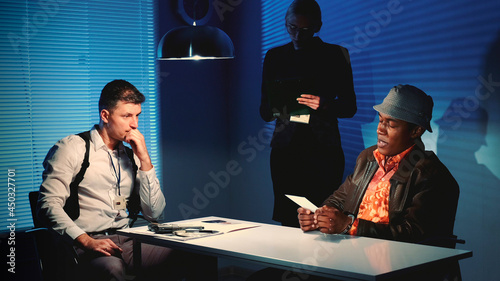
208	228
303	202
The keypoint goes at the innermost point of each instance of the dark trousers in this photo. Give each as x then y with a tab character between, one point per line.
158	263
313	171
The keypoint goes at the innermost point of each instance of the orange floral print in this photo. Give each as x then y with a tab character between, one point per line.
375	204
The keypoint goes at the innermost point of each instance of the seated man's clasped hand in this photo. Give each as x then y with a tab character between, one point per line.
326	219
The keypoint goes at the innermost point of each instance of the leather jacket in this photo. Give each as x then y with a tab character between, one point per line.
422	201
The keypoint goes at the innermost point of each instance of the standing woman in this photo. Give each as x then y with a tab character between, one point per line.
306	156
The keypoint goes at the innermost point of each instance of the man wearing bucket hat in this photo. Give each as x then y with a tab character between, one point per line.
398	191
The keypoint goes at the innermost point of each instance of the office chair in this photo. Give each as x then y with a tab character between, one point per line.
57	259
443	241
452	270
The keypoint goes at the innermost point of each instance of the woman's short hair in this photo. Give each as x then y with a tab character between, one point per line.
307	8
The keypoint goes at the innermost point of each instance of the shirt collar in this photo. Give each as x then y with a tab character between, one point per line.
96	139
389	163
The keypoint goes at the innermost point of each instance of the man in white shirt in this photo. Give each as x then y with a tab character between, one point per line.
109	182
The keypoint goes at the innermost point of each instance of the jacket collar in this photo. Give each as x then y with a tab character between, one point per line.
315	41
407	164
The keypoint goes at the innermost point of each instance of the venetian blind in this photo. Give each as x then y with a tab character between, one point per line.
55	58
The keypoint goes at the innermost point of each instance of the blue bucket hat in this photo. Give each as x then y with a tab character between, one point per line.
408	103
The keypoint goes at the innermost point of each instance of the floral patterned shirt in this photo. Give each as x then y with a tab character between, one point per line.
375	204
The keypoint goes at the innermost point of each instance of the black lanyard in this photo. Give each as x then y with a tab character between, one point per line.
119	174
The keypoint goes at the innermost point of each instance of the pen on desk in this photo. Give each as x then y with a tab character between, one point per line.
169	228
252	226
206	231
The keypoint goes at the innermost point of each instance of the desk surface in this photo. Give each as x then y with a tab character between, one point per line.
340	256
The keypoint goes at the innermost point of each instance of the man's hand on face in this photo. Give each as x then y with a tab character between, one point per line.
138	144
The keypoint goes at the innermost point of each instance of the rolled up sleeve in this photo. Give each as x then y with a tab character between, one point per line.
152	198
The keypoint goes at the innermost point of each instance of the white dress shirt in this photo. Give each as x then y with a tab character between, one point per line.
98	188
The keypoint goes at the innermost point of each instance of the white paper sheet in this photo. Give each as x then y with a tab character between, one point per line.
303	202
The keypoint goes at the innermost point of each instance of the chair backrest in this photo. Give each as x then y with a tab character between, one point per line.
58	259
33	197
443	241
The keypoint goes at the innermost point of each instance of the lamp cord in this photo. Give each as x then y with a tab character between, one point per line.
194	10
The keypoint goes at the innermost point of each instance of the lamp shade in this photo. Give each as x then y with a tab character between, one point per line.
194	43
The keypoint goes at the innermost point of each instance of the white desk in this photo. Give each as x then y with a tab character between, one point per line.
335	256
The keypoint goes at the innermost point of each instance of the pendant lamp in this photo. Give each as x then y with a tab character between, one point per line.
195	42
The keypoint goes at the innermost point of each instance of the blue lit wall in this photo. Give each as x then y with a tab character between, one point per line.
451	50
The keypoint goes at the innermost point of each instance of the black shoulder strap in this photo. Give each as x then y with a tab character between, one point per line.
72	206
130	154
134	202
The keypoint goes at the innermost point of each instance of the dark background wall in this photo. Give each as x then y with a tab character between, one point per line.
212	134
